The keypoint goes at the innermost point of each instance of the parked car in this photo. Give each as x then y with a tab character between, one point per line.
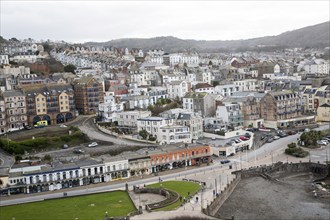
325	140
247	135
282	134
78	151
93	144
63	126
65	146
320	142
263	137
276	137
244	138
291	132
238	141
27	127
269	140
225	161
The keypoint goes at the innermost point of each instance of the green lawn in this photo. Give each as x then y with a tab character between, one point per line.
181	187
88	207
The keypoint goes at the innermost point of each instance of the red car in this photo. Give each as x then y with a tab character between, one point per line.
244	138
291	132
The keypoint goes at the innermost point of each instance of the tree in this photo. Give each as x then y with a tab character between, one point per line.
215	83
70	68
144	134
18	158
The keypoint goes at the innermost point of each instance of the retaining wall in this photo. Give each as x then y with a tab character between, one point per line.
106	131
215	205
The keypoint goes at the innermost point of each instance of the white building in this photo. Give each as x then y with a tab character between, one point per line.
176	58
317	66
177	89
164	130
139	101
24	57
226	90
156	93
231	114
4	60
128	119
172	134
109	108
247	85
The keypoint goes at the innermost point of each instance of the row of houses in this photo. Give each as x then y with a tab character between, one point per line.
33	177
55	103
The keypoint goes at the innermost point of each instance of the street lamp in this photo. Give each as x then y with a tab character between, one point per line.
106	215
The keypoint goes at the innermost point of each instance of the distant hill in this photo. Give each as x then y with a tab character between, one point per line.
312	36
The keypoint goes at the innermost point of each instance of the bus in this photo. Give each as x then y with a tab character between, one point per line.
41	124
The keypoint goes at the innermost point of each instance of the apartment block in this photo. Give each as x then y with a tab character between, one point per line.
88	95
53	103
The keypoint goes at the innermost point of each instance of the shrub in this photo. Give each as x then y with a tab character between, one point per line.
18	158
222	133
310	138
296	151
151	138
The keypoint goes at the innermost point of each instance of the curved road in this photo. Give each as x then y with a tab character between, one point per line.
89	127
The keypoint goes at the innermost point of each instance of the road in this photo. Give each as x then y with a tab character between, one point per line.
6	160
269	153
89	127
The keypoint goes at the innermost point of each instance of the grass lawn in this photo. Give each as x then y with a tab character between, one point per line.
181	187
88	207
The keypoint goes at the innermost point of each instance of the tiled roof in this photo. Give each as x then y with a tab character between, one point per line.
13	93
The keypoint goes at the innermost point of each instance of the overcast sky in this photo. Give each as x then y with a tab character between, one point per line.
81	21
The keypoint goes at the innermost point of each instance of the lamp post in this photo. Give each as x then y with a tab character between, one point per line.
106	215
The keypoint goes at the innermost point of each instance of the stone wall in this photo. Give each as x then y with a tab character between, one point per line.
171	197
127	137
280	167
215	205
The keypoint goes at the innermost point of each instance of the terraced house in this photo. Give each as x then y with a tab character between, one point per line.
35	176
53	103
